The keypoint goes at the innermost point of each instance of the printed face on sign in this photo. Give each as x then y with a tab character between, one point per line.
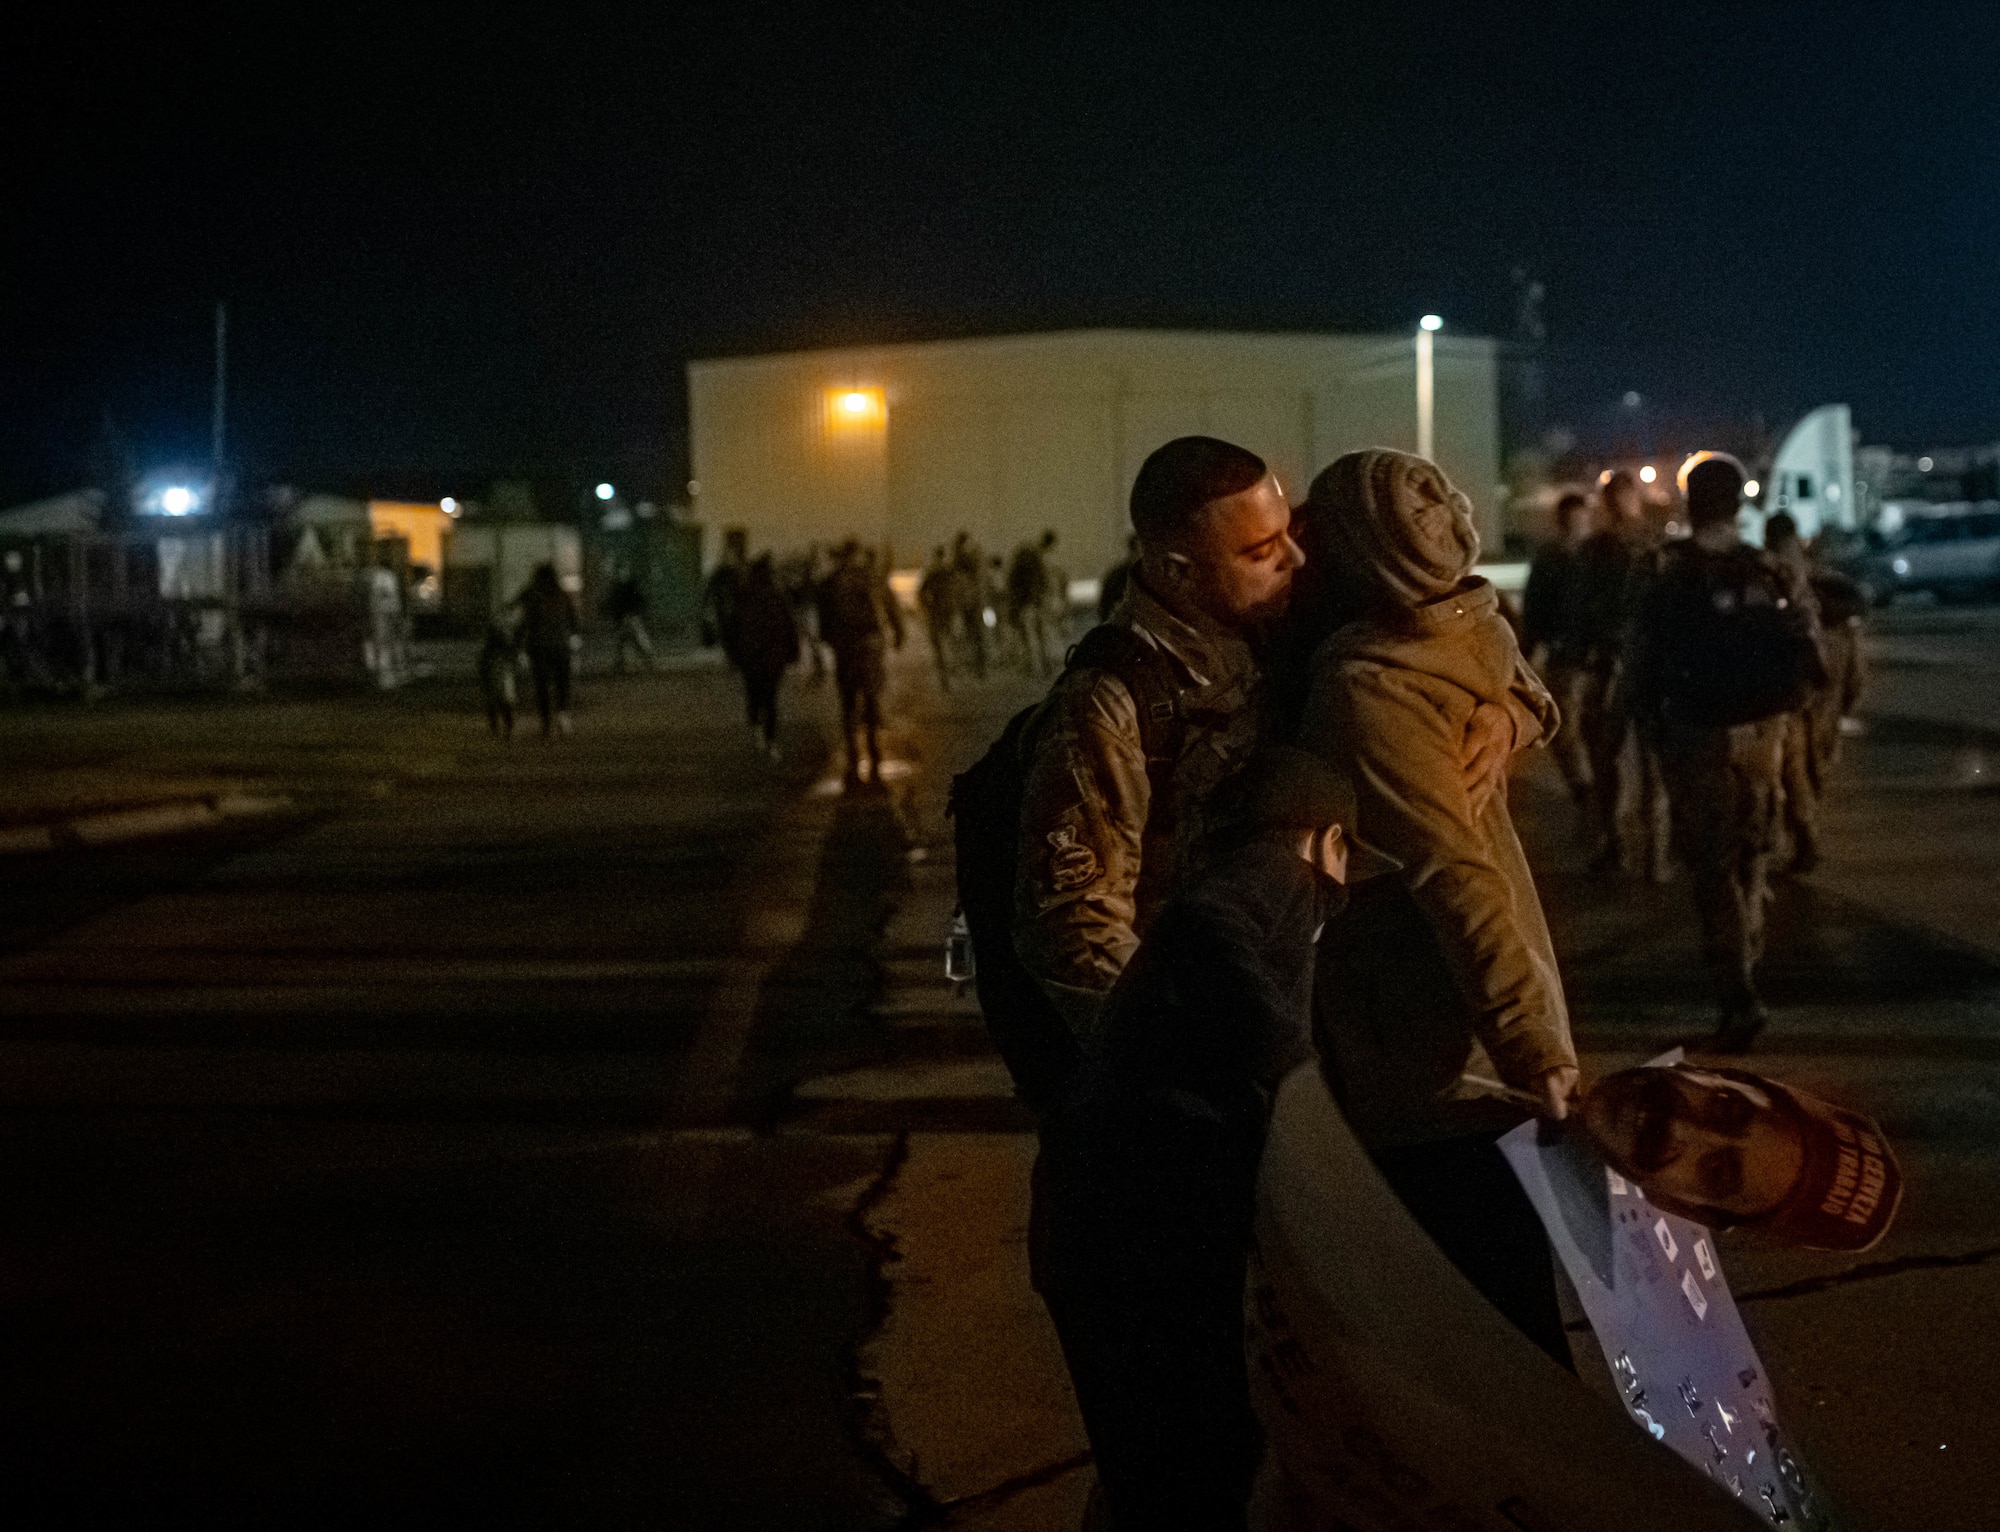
1711	1147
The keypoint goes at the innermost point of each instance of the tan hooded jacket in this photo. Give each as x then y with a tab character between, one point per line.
1450	958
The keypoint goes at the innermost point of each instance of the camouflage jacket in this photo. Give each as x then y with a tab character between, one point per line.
1098	857
1613	569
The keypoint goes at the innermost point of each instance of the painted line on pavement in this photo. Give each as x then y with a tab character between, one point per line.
173	817
776	886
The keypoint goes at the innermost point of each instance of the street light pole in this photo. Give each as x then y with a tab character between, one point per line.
220	412
1427	329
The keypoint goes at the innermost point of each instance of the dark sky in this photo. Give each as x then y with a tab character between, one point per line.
461	247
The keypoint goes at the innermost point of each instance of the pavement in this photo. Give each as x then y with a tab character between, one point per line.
587	1132
423	1157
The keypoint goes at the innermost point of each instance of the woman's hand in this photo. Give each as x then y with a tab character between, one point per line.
1553	1091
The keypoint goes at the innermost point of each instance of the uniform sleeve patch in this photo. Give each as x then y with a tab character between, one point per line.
1071	866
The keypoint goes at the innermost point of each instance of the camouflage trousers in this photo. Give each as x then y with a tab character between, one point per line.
1805	779
1726	789
1812	744
1628	793
1571	686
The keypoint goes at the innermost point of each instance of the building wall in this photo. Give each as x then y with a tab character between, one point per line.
907	445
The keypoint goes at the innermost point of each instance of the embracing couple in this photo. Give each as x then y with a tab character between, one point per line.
1262	817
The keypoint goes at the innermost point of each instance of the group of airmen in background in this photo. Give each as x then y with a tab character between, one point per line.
835	611
767	615
980	610
1612	616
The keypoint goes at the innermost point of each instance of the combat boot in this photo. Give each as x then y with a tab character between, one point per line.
1743	1018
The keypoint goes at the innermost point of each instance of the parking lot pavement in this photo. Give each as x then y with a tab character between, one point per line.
961	1379
1883	976
1936	664
417	1159
588	1132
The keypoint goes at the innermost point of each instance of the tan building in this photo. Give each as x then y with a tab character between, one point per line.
906	445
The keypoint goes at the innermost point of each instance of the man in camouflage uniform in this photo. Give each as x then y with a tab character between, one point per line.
971	592
1098	855
858	618
1028	586
1724	781
1556	635
1613	566
1812	735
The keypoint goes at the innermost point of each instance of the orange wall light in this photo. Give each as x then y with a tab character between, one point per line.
855	409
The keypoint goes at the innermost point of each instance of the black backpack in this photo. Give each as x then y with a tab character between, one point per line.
985	808
1733	646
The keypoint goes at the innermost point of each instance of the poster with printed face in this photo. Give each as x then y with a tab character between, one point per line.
1653	1289
1393	1397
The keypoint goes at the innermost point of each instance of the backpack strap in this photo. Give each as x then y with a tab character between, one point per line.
1156	697
1148	676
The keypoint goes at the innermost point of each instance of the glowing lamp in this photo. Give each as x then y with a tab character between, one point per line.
1430	322
1648	474
605	491
1751	487
178	500
855	410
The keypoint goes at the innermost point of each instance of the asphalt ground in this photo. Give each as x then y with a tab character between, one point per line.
585	1133
420	1156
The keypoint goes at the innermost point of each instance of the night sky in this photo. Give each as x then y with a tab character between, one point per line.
461	248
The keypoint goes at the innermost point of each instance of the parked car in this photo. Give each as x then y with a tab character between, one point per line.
1952	551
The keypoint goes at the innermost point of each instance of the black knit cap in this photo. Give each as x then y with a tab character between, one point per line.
1286	788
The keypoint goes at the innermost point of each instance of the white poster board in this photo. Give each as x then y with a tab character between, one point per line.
1393	1396
1653	1290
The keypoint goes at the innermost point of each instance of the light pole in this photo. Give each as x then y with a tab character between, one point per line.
1427	329
219	413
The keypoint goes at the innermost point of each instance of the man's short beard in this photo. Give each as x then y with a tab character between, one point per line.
1263	619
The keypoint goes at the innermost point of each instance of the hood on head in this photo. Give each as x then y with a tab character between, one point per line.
1396	523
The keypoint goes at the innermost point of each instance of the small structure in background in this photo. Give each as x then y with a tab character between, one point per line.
486	565
657	550
158	587
342	606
